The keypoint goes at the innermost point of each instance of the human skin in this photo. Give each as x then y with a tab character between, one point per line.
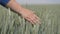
25	13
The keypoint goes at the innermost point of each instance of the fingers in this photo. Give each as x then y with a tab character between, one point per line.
33	19
37	19
29	19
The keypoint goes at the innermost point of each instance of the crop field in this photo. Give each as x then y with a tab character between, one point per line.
12	23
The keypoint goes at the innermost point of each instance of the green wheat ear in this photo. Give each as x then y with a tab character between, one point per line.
12	23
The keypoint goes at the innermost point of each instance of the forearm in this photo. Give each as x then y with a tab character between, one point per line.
15	6
12	4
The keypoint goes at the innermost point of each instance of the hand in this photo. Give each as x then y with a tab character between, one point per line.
30	16
27	14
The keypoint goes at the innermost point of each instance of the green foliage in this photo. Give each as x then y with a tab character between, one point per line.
12	23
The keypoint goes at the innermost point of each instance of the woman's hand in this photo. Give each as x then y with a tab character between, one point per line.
30	16
27	14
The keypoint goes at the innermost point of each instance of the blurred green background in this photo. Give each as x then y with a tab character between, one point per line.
12	23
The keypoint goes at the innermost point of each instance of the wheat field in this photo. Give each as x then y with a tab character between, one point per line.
12	23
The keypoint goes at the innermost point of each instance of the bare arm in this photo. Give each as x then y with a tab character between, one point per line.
27	14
